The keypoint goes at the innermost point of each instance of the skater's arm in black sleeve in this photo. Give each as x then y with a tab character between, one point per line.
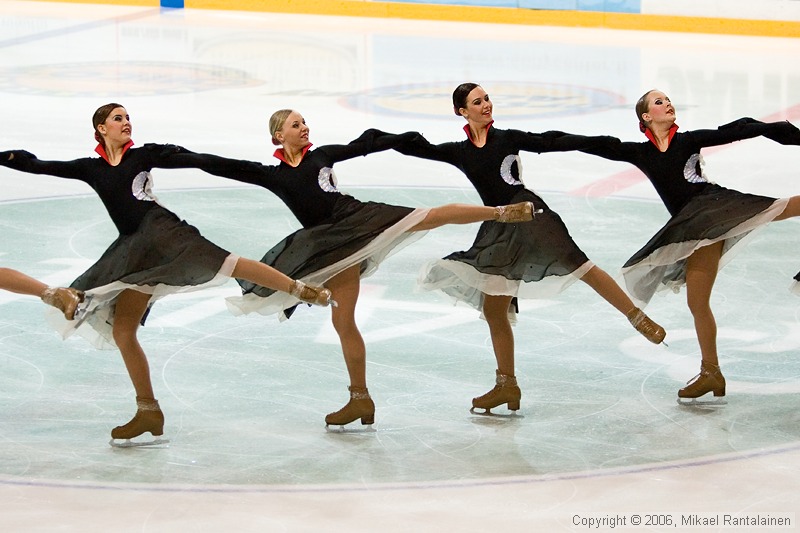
172	156
419	146
613	149
557	141
369	142
27	162
783	132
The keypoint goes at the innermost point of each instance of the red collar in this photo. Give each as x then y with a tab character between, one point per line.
280	154
102	151
672	129
469	133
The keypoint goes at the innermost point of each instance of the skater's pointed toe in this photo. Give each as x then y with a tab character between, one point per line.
65	299
519	212
311	294
646	326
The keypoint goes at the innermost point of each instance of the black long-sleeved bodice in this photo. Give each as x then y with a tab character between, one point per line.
124	189
495	169
677	173
309	189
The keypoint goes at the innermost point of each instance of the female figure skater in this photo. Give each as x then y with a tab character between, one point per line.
513	261
708	222
65	299
342	239
155	254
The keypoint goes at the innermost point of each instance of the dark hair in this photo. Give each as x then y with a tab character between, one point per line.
100	117
642	107
460	96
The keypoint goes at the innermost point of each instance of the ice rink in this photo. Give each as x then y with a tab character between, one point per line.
599	436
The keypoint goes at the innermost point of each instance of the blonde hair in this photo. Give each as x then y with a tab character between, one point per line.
276	122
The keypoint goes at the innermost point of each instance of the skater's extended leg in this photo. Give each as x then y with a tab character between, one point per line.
604	285
792	209
701	273
15	281
468	213
266	276
505	391
64	299
345	288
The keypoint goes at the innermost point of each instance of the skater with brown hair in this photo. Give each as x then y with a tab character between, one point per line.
511	262
156	254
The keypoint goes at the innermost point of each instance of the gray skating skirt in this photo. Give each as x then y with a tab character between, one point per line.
165	255
536	259
358	233
717	214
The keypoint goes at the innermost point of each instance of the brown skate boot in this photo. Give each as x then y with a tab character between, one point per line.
65	300
311	295
519	212
645	325
505	391
360	406
710	379
148	419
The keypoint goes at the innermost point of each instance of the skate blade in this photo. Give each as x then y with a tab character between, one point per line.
82	311
489	413
350	429
701	402
129	443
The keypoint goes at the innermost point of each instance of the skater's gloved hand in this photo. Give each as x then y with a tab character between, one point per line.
7	157
739	122
409	136
784	133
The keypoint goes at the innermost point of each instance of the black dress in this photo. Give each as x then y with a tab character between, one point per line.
702	212
537	259
338	230
155	253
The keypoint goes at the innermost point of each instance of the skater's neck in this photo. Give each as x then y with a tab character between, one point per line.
113	153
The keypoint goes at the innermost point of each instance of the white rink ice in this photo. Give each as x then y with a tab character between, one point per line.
600	434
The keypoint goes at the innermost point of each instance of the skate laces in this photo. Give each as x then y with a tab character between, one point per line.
358	394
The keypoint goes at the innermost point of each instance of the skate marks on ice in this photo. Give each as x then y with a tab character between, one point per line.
590	381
